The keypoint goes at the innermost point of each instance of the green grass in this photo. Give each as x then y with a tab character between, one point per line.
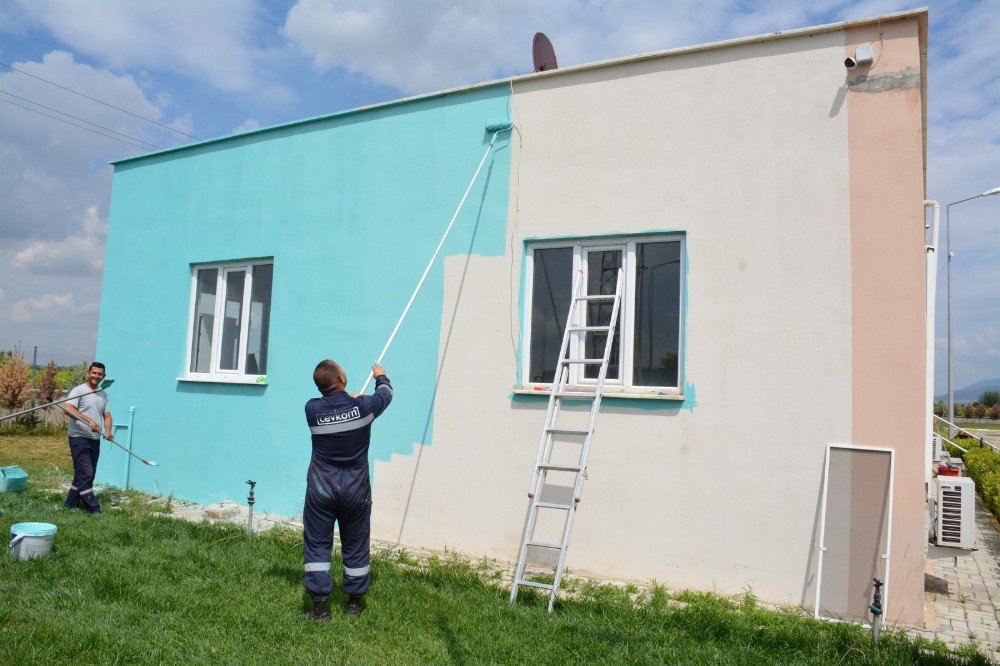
134	586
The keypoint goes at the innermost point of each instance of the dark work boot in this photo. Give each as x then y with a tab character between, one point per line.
355	606
319	612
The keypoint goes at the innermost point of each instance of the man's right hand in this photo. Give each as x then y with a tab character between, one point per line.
377	371
94	426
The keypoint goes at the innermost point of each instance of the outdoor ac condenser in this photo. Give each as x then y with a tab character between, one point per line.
956	512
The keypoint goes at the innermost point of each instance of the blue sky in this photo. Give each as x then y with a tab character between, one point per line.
208	69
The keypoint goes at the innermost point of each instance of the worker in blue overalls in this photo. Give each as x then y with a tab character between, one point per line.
337	485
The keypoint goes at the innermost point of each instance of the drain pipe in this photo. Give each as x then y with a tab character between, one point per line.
930	253
250	502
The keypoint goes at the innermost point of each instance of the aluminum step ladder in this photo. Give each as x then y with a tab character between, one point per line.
574	339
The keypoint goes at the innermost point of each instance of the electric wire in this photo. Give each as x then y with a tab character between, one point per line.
94	99
134	145
82	120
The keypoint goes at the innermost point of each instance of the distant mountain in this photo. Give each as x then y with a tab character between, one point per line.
971	393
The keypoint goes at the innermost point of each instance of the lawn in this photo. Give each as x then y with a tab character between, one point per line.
134	586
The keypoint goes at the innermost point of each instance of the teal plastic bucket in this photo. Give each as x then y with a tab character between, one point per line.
13	479
29	540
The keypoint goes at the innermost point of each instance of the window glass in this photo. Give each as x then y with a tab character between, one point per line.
204	320
232	319
552	286
260	317
602	276
657	314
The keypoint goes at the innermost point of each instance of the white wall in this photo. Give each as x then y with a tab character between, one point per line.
744	149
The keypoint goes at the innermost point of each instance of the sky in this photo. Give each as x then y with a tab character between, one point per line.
159	73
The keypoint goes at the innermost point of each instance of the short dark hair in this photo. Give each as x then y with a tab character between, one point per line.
97	364
326	376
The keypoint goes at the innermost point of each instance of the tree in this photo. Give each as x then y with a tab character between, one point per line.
48	389
15	383
990	398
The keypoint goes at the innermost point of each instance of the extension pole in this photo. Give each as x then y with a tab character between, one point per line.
430	263
100	387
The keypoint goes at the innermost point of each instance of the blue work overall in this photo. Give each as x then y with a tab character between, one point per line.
338	489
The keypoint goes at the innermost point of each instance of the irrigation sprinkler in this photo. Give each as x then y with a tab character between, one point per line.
250	501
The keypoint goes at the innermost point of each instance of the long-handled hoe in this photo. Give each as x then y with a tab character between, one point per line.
151	463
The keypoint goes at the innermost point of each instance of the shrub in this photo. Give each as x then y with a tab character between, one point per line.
72	376
15	383
48	389
990	398
983	465
995	412
940	408
959	411
980	411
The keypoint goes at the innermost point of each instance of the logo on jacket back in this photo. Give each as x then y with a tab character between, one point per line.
338	417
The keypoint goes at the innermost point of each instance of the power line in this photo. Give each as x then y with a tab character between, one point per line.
63	120
82	120
94	99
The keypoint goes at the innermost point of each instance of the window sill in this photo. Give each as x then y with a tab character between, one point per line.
253	380
632	394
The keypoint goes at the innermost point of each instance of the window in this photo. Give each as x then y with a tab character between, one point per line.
230	315
645	352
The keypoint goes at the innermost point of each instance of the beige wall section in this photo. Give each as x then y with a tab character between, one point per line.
745	150
887	231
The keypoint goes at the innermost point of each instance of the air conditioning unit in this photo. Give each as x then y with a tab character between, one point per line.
956	512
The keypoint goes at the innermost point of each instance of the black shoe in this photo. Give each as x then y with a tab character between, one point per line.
319	612
355	606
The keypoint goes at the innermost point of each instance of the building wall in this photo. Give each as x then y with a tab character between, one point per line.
351	208
752	153
799	200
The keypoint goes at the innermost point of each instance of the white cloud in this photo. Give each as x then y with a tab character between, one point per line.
46	309
245	126
81	253
211	41
51	170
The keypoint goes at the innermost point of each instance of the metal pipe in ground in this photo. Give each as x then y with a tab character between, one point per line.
250	503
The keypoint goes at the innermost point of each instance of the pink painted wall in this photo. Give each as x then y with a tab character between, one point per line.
885	138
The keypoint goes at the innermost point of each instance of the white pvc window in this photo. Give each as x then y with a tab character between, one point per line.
229	326
649	335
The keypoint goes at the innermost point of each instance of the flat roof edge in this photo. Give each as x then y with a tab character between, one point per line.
918	13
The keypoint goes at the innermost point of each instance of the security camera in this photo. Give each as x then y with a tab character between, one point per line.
862	56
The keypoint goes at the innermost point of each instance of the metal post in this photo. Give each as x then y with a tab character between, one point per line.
951	393
34	357
250	503
947	224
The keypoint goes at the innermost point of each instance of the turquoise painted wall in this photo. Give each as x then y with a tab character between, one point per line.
351	208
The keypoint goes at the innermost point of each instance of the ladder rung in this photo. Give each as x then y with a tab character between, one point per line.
596	297
567	431
546	544
576	394
590	361
589	328
560	468
554	505
531	583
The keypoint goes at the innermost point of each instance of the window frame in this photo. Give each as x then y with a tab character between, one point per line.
217	374
627	244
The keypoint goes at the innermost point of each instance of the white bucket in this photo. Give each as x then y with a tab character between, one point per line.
29	540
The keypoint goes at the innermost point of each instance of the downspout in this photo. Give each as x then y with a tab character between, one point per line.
930	252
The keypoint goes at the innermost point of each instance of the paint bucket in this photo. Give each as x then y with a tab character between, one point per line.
13	479
29	540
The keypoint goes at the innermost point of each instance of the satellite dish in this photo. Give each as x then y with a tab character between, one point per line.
543	54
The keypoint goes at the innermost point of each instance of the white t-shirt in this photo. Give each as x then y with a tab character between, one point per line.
93	405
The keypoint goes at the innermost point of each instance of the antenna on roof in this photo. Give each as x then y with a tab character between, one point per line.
543	54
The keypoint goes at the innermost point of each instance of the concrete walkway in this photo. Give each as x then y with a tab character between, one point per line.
962	595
